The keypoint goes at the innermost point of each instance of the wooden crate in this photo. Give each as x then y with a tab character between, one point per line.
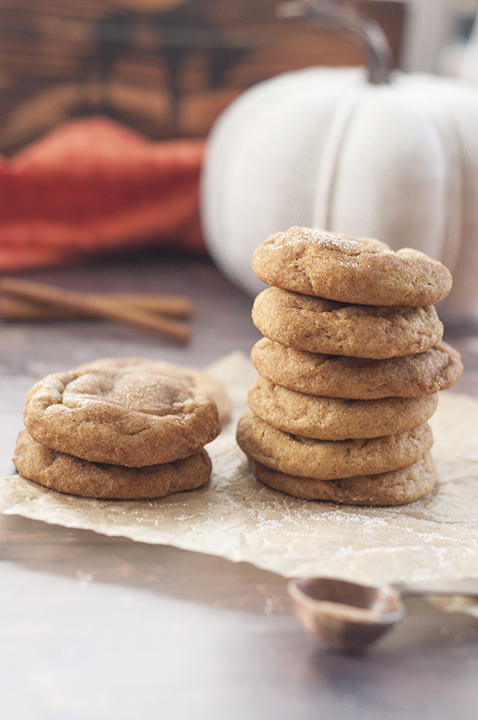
164	67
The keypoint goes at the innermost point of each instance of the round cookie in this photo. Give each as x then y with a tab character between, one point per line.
195	378
329	460
68	474
332	266
120	416
435	369
326	418
361	331
396	487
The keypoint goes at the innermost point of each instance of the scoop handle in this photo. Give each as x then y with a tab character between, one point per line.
467	586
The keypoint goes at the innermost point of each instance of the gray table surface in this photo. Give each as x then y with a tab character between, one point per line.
100	628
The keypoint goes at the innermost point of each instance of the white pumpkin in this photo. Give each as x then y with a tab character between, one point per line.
322	147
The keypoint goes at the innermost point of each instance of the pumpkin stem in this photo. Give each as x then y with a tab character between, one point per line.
346	19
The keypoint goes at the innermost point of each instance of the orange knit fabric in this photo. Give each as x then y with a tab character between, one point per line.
93	186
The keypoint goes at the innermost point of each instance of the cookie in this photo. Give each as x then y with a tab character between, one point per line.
435	369
363	331
395	487
120	416
326	418
68	474
329	460
195	378
327	265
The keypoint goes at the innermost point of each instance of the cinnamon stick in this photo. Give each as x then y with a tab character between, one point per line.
96	307
23	308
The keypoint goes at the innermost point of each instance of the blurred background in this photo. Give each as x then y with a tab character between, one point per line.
106	107
169	67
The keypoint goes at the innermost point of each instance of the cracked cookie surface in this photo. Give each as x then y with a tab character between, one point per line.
120	416
198	379
69	474
352	270
325	326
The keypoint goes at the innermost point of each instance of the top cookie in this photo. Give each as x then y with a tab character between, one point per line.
120	416
362	271
190	376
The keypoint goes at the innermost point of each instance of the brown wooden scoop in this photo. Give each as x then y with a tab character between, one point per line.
349	616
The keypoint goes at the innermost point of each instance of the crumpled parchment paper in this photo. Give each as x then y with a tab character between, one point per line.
236	517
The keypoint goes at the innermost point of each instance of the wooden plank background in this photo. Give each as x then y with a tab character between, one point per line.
164	67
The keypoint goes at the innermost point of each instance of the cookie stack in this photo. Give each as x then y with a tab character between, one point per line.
349	369
120	429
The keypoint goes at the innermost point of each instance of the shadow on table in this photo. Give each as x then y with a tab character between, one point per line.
91	557
196	577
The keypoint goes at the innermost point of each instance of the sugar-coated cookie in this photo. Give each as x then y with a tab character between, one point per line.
435	369
198	379
329	460
395	487
68	474
120	416
332	328
332	266
326	418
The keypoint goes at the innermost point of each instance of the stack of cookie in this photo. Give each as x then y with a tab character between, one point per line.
349	369
120	429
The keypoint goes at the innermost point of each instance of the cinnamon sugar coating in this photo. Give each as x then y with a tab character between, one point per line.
198	379
435	369
351	270
395	487
329	460
325	326
326	418
120	416
69	474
